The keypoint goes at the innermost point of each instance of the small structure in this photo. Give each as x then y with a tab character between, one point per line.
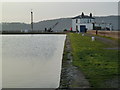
103	26
26	30
93	38
82	23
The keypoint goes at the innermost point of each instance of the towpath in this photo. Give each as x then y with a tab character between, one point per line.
112	43
71	77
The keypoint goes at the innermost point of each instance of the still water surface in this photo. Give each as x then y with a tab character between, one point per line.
32	61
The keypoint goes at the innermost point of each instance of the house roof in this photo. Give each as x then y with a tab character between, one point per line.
80	16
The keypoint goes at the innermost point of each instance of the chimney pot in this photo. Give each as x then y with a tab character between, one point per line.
90	14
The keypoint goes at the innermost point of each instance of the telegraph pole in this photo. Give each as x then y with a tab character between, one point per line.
31	20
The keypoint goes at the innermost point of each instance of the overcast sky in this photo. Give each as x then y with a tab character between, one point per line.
20	11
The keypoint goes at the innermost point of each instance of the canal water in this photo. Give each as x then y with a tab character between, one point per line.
0	62
32	61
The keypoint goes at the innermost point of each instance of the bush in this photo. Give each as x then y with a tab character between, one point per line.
65	30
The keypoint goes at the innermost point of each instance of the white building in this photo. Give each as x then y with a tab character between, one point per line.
82	23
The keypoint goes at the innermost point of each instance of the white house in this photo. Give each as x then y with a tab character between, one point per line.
82	23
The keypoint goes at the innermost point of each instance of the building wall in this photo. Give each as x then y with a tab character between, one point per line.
89	26
74	24
86	20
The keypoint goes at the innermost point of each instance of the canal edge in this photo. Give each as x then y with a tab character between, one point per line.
71	77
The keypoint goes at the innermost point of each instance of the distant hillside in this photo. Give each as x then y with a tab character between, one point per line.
109	19
64	23
14	26
56	24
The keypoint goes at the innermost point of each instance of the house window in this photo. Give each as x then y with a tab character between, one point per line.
85	21
88	20
76	20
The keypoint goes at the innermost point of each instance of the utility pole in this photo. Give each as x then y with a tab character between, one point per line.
31	20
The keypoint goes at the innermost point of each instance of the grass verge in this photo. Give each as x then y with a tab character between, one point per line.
98	64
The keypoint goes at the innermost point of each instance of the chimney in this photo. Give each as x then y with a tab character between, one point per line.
90	14
82	14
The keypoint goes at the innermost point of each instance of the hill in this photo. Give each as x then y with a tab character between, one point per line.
56	24
109	19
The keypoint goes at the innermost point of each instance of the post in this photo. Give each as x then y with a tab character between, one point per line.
93	26
93	38
83	34
96	32
31	20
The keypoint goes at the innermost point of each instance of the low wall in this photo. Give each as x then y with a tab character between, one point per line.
113	34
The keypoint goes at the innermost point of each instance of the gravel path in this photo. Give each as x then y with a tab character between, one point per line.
113	43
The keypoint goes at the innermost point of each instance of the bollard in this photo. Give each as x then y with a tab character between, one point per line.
82	34
93	38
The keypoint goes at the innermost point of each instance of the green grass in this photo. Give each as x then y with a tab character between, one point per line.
96	63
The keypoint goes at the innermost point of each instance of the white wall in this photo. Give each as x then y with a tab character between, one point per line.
89	26
85	20
74	24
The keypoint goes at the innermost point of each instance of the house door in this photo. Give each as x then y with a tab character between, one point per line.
82	28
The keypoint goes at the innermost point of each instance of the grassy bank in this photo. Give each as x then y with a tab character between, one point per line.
98	64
